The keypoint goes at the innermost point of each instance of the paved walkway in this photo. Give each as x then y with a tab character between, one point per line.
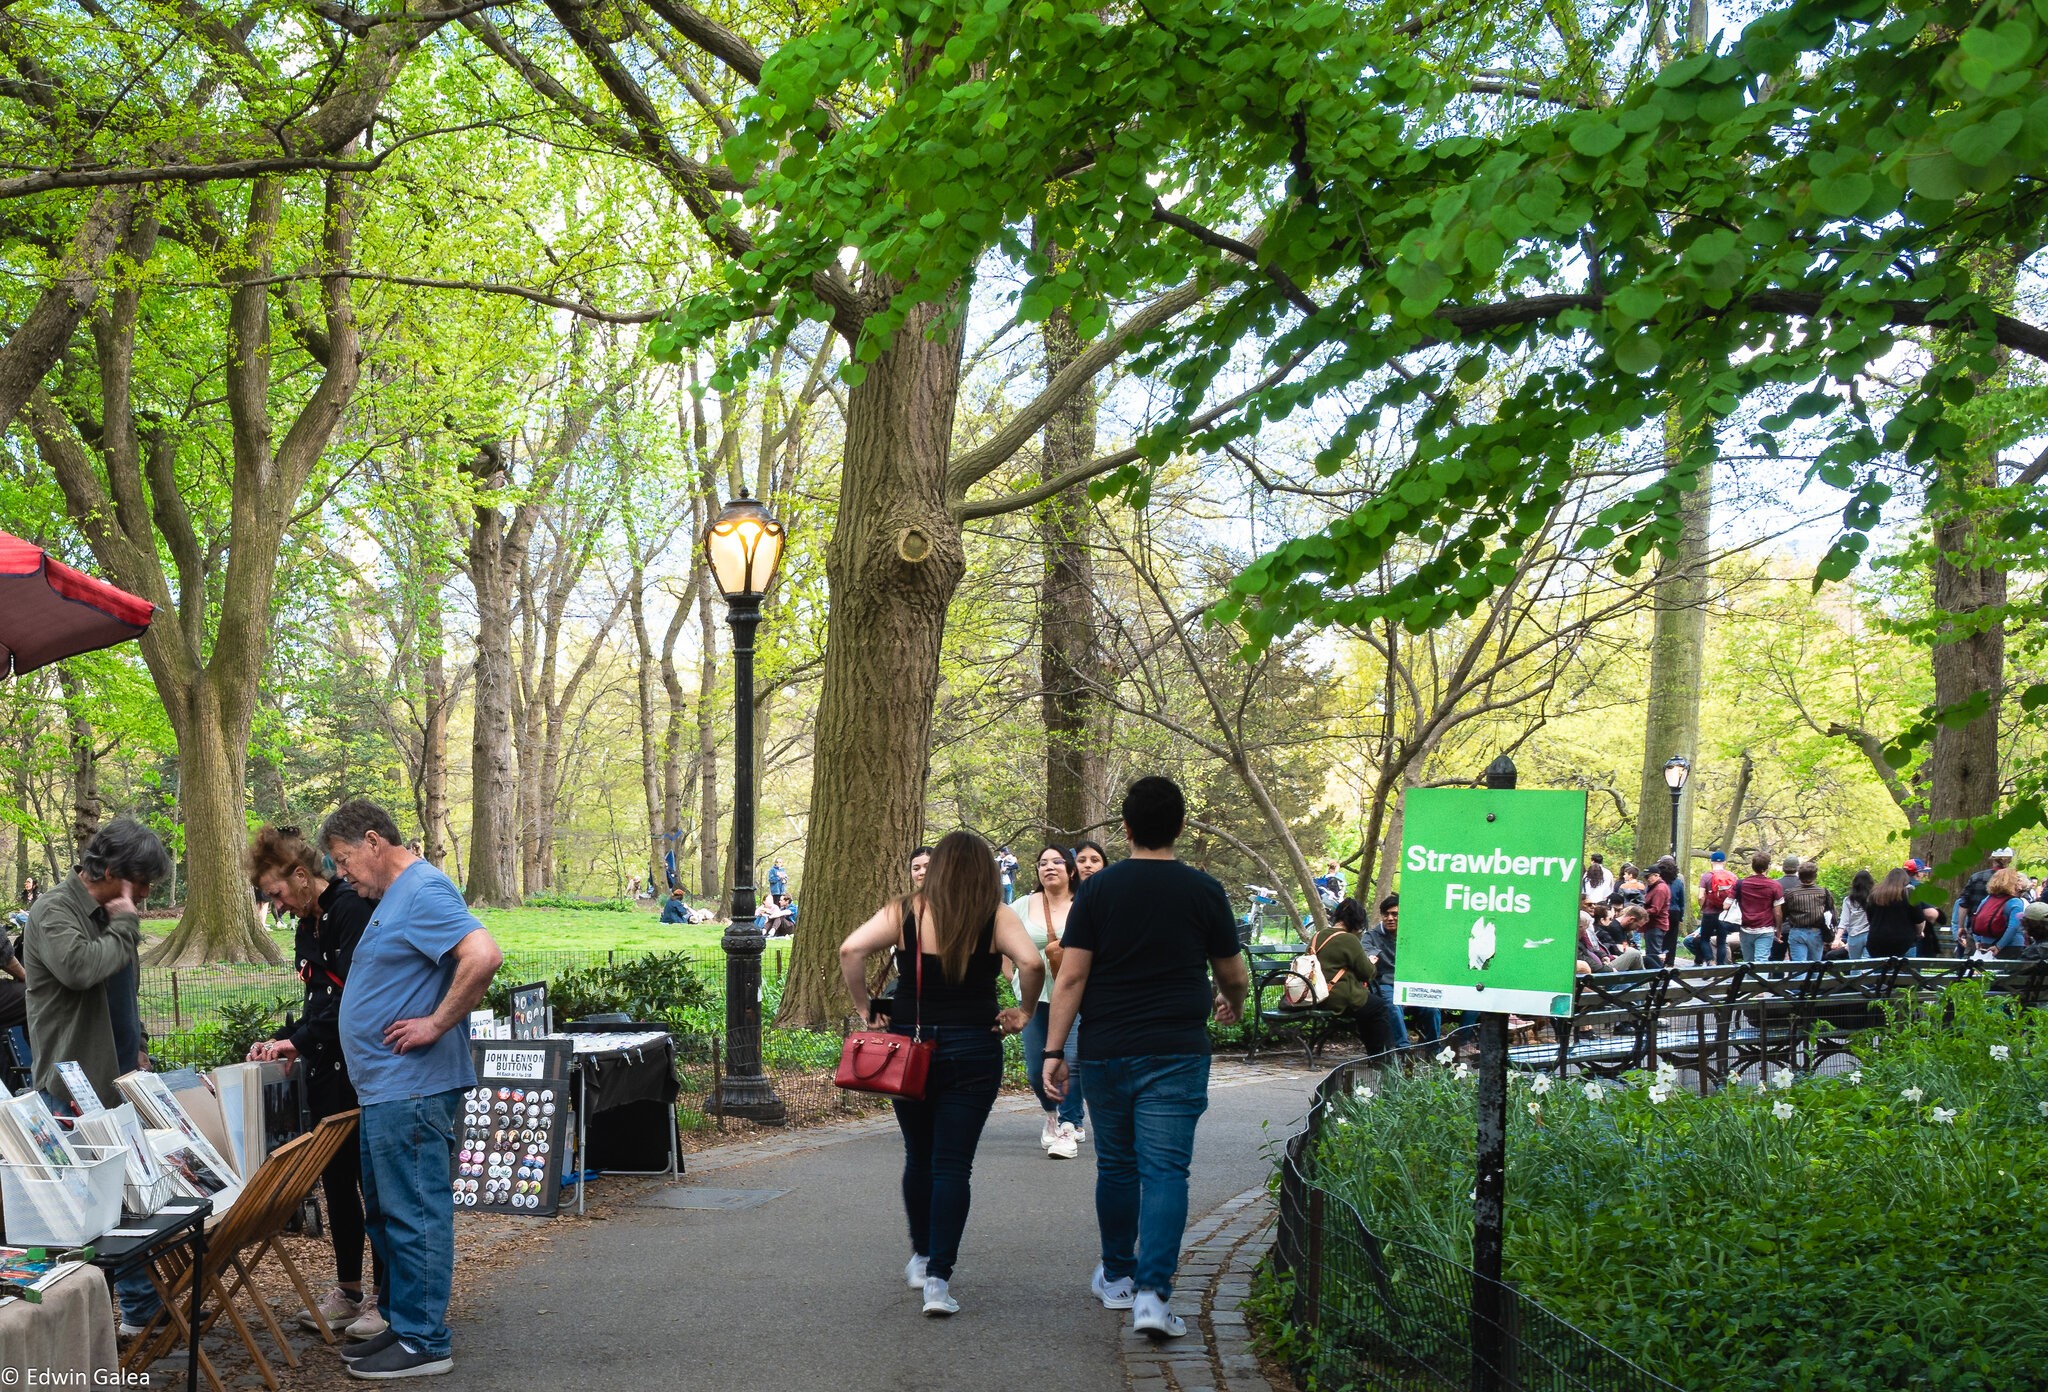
798	1286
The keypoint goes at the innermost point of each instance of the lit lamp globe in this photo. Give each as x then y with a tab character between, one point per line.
743	545
1676	769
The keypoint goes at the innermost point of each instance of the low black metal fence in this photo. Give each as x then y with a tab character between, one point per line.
1375	1313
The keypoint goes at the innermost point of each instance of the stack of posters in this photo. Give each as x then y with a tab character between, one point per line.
198	1169
33	1143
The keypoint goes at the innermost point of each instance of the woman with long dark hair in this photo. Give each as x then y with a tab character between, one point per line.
1044	912
949	939
1894	918
1855	919
1089	857
286	871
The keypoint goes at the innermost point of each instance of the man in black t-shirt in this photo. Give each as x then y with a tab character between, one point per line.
1142	940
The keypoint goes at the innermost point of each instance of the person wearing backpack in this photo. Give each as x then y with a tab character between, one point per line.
1717	886
1349	975
1995	923
1977	889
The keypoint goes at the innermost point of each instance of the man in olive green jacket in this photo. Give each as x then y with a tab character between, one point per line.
81	936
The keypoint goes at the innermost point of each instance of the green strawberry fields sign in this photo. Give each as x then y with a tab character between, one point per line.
1490	899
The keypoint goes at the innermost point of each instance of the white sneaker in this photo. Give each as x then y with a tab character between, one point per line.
1080	1135
1114	1295
938	1301
1149	1315
913	1271
1050	1136
369	1324
129	1331
337	1310
1063	1146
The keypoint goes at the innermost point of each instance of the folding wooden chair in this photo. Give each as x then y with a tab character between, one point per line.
247	1231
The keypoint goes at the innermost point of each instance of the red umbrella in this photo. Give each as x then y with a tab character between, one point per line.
49	611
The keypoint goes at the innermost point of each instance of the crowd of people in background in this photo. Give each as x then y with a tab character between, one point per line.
1633	920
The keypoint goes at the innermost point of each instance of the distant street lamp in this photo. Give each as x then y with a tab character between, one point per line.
1676	770
744	547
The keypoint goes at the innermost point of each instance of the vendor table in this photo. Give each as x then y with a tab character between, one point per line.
617	1064
138	1244
69	1335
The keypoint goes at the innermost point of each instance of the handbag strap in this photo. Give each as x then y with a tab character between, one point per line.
916	950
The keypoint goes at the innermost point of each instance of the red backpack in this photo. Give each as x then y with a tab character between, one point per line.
1720	884
1989	921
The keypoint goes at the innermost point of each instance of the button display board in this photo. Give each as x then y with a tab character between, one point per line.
513	1128
1490	899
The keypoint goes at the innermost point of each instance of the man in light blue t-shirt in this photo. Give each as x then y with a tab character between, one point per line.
421	967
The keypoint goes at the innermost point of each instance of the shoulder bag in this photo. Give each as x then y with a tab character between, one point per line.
886	1063
1306	984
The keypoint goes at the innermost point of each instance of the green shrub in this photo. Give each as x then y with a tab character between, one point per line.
1880	1228
571	902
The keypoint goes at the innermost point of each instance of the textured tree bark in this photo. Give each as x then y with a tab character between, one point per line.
1677	655
1969	660
86	808
708	882
893	562
1070	660
1733	825
643	692
434	738
672	761
132	515
43	336
494	806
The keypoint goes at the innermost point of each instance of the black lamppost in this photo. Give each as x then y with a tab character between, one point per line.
1676	770
744	547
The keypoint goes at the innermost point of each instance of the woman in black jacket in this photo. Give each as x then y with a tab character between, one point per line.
1894	918
288	872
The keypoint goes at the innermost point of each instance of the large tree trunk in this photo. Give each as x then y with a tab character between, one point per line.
1963	764
494	806
893	563
1070	664
1677	656
220	912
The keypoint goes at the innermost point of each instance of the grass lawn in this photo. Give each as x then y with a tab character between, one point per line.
173	1001
595	930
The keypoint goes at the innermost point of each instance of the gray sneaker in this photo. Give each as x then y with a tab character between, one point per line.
399	1360
376	1343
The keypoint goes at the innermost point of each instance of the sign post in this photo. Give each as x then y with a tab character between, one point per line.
1490	900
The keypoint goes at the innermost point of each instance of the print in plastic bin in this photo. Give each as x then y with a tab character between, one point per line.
65	1207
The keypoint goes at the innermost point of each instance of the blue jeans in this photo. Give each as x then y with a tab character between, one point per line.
940	1133
1145	1109
1383	989
1806	944
1756	944
1070	1108
1432	1022
408	1154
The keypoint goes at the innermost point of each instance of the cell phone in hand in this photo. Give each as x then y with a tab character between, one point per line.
883	1006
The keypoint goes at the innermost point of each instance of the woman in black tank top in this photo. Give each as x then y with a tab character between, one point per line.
949	940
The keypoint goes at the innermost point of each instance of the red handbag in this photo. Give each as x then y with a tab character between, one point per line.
879	1061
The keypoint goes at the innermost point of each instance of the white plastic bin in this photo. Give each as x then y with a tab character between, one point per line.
69	1208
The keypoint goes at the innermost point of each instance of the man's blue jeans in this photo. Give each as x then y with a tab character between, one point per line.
1807	944
1756	944
408	1150
1145	1109
1070	1106
1383	988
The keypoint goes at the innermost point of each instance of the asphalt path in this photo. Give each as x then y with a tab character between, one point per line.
804	1291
